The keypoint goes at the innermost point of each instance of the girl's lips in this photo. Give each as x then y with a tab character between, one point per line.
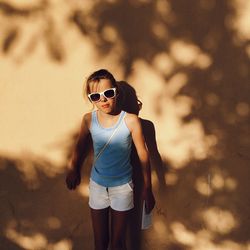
105	106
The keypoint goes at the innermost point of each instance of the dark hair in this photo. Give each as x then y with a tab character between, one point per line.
97	76
129	101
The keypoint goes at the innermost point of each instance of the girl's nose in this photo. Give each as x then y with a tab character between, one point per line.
103	98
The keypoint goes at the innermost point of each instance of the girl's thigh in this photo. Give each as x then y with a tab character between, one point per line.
98	196
122	197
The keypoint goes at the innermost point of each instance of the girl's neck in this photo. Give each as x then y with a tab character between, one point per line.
108	120
117	111
111	114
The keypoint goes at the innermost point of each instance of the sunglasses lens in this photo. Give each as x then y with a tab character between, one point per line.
95	97
109	93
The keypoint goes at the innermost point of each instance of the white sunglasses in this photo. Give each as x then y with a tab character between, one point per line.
108	93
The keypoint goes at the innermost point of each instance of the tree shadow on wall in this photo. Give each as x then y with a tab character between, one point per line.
219	92
37	211
16	18
206	190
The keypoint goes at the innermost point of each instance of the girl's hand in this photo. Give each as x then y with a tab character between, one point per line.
149	200
73	179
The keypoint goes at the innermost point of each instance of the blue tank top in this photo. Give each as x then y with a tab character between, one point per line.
113	167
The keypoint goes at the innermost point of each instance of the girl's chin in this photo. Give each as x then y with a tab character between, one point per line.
106	106
107	110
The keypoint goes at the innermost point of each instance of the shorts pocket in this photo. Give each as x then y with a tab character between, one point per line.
130	185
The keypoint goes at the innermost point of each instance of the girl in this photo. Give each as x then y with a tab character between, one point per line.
111	188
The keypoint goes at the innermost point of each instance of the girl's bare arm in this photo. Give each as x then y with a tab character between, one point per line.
81	147
79	154
134	124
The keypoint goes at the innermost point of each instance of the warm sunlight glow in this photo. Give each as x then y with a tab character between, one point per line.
64	244
31	165
203	61
163	8
171	178
29	173
229	244
175	83
83	189
186	140
248	50
202	239
242	109
242	21
188	63
248	246
110	34
230	184
203	187
36	241
54	223
41	113
185	53
160	228
163	63
192	144
159	29
214	182
23	3
182	235
219	220
217	181
212	99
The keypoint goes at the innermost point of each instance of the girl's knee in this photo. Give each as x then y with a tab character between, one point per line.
118	244
101	245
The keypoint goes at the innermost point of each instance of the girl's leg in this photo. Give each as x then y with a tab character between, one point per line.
100	223
118	229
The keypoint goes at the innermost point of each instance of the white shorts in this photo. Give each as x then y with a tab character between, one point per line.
119	198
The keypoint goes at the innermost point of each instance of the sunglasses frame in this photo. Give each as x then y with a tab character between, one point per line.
102	94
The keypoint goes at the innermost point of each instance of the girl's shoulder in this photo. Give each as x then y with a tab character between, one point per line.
86	119
131	116
131	120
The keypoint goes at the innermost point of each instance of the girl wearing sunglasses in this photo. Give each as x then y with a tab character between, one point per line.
111	187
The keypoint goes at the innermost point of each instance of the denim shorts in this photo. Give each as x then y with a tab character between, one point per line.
119	198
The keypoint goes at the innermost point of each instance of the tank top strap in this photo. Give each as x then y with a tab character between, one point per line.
93	121
94	116
121	118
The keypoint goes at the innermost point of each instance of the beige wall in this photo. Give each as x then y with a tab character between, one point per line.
189	64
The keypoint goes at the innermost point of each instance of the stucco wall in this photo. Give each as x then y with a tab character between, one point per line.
189	64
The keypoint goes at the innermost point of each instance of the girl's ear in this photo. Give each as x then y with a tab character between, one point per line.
118	91
139	104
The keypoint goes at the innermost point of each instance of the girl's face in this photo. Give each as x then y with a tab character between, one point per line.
105	104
